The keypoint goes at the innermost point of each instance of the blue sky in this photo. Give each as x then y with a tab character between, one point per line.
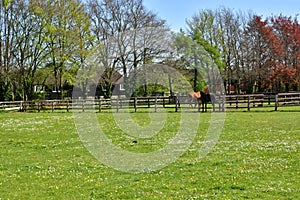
177	11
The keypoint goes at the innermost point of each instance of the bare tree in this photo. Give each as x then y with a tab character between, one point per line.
130	35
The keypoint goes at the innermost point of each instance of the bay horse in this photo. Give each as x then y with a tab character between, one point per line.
202	97
206	97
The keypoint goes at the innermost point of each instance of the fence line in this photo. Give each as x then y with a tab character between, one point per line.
245	101
249	101
95	104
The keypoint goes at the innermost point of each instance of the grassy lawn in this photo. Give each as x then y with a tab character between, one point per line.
256	157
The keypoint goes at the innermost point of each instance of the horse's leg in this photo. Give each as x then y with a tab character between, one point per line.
202	103
190	101
195	102
198	104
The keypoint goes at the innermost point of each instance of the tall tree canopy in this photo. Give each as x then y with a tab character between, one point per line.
43	44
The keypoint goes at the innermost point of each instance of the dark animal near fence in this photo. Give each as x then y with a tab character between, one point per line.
206	97
202	98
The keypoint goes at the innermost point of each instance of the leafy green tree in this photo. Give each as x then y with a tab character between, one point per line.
81	40
197	54
6	38
28	50
67	39
220	33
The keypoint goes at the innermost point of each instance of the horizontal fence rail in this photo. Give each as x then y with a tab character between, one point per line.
248	101
221	103
245	101
92	104
287	99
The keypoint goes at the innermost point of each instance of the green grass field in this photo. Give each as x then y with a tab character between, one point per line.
256	157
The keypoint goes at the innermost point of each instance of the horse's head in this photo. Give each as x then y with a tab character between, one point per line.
206	90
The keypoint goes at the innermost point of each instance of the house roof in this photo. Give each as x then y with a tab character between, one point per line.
115	77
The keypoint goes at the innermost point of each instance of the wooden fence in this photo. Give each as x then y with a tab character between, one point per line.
93	104
222	103
287	99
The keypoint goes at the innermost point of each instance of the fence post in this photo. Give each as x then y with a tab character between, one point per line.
39	107
155	104
223	103
120	102
100	105
276	102
24	105
117	104
176	104
52	106
135	104
67	105
82	105
248	102
213	103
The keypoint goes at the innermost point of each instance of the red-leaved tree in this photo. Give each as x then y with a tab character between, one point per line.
277	53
